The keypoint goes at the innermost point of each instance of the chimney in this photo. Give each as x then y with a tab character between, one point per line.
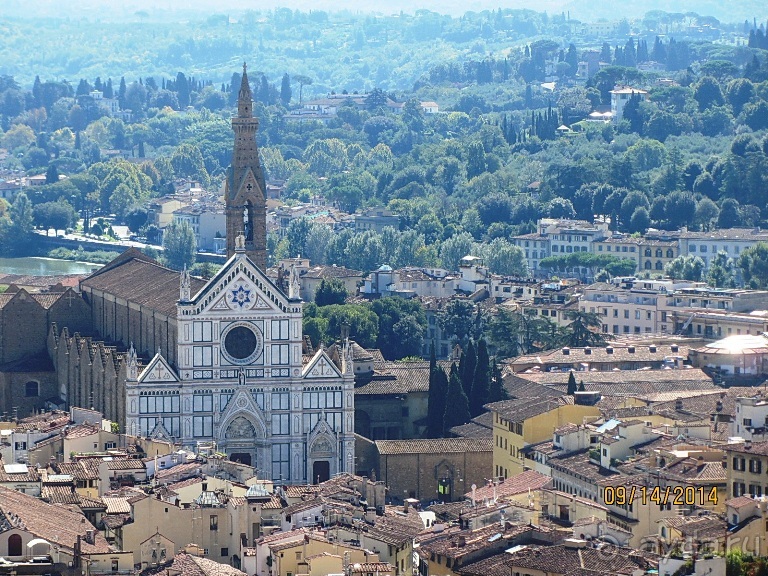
205	486
679	404
462	541
405	505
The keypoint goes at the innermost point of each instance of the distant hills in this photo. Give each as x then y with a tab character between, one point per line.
579	9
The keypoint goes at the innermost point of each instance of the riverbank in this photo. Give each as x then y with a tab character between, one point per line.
42	266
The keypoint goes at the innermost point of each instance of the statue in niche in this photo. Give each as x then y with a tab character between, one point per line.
241	377
240	428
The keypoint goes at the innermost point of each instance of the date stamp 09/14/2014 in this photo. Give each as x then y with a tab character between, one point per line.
661	496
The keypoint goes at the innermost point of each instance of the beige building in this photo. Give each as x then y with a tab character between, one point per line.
530	417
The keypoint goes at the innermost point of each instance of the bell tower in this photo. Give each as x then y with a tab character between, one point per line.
244	192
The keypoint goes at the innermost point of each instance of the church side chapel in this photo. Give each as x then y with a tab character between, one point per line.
227	371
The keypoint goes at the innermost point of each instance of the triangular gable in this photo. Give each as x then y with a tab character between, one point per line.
158	370
242	403
254	193
240	285
160	433
321	366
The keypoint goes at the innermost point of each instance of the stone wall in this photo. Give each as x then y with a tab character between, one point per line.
89	373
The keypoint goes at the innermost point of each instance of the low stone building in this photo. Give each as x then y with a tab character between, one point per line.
433	469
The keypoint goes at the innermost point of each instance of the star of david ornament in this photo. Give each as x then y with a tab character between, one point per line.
241	296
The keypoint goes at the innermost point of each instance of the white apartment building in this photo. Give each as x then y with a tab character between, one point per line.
620	96
556	237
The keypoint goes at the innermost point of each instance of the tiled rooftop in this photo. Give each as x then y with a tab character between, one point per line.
57	524
434	445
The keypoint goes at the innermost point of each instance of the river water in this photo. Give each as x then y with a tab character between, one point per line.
44	266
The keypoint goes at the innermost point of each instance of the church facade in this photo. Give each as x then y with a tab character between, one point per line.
227	372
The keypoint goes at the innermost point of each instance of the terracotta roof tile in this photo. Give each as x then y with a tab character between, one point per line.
434	445
137	278
58	524
528	480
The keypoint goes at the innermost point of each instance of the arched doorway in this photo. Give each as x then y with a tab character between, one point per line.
240	438
14	545
321	471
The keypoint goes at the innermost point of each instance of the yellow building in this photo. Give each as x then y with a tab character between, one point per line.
312	554
529	419
746	465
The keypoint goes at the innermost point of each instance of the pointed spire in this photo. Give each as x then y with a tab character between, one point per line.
294	288
185	285
133	365
349	358
244	97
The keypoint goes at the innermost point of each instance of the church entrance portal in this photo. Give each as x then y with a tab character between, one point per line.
321	471
242	457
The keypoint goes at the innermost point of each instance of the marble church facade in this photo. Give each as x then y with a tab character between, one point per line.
225	370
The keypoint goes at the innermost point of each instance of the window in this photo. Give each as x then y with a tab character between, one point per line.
20	445
202	402
31	389
322	399
202	356
281	424
692	248
626	313
225	551
214	522
202	426
280	462
115	565
280	354
201	332
280	401
279	329
146	425
153	403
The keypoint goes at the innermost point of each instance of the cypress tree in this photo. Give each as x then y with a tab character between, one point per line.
581	387
481	385
467	368
457	403
571	383
497	391
438	388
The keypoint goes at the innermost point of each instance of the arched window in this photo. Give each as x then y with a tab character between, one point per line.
31	389
659	265
647	264
670	253
658	253
648	252
248	221
14	545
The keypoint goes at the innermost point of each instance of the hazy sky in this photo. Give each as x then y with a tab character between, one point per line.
585	10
